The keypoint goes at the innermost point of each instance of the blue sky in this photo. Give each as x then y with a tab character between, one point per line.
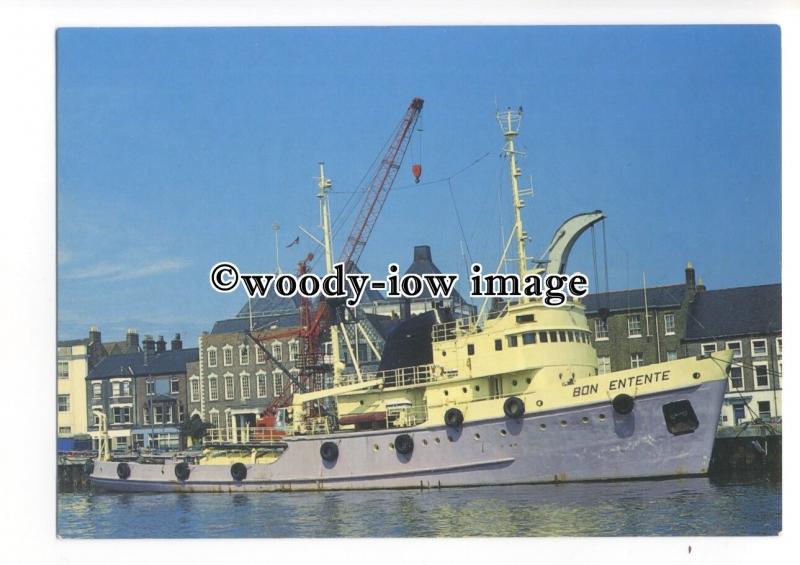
178	148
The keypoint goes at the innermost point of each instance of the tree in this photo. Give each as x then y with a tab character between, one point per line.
194	428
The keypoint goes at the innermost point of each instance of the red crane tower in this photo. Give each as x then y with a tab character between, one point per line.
314	323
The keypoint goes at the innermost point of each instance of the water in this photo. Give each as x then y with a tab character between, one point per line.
684	507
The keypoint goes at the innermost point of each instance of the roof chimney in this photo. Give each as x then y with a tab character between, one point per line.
422	253
690	285
701	286
176	344
149	343
94	335
132	340
161	345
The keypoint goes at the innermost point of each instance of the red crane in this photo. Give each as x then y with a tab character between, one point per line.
313	324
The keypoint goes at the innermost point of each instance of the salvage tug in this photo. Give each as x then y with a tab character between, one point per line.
510	395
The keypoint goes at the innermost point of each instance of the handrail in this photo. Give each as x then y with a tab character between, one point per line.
450	330
415	375
245	435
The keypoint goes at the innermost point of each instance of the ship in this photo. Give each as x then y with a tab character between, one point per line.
509	395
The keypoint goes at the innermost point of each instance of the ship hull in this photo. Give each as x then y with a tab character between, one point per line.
589	443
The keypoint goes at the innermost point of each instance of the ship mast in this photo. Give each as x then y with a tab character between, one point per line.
509	122
325	185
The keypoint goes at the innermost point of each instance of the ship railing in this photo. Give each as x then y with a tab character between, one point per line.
245	435
451	330
405	415
416	375
315	426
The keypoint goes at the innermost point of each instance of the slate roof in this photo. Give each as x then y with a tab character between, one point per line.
383	324
71	342
262	322
133	364
729	312
633	299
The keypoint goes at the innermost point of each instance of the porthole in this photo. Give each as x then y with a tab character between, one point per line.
444	353
542	426
450	438
362	402
528	380
563	423
425	442
601	417
464	390
477	388
477	437
376	447
585	420
437	441
503	433
446	393
539	403
514	383
391	446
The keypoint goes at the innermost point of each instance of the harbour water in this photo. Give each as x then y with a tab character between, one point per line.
675	507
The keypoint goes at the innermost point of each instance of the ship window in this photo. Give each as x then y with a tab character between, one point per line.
543	337
525	318
571	335
680	417
554	336
528	338
470	349
498	345
512	340
562	335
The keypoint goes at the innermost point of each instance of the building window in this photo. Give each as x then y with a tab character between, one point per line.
213	388
277	351
764	411
600	329
672	355
63	402
174	386
180	413
761	372
151	387
637	360
194	389
212	356
227	355
261	385
158	414
121	414
779	345
170	414
736	347
245	382
228	387
97	390
669	324
244	355
213	416
512	340
64	430
63	370
708	348
260	357
145	416
758	347
121	388
294	350
604	364
635	326
277	383
737	378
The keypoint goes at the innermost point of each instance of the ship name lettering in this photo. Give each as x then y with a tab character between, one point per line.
639	380
583	390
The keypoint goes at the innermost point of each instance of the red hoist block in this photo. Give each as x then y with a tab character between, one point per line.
416	170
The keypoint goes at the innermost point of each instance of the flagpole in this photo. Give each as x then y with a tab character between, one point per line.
276	228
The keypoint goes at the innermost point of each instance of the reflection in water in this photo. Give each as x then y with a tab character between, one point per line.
691	506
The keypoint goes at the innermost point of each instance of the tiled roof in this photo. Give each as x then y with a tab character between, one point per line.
748	310
633	299
133	364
